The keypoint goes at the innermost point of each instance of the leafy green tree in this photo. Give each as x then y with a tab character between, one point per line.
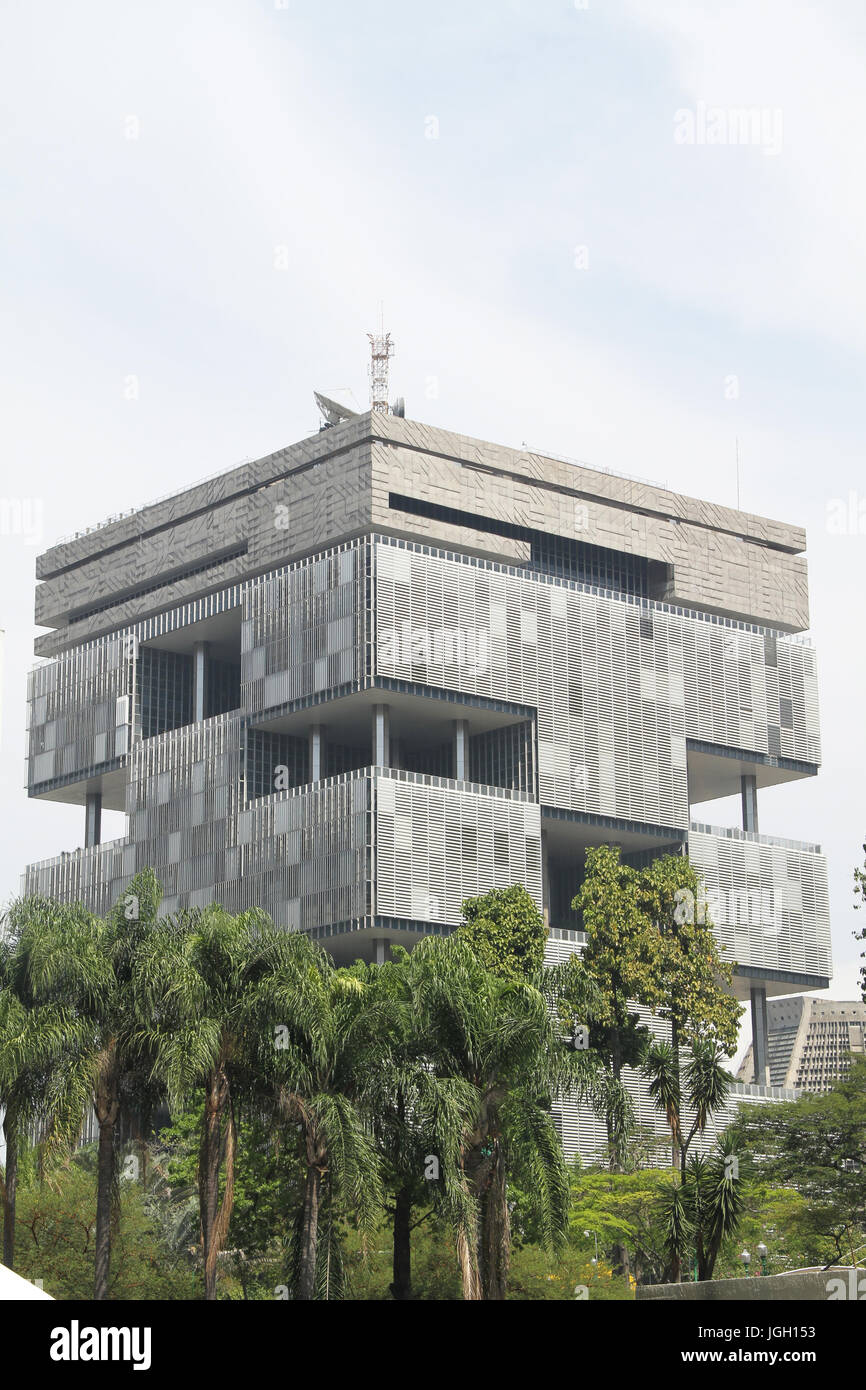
650	942
507	932
782	1219
75	970
693	981
817	1146
621	1210
621	957
57	1234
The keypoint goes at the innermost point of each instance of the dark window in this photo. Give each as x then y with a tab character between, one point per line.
164	690
223	687
786	713
504	757
556	555
266	752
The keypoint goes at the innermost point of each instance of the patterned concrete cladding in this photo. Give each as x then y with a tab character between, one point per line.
338	484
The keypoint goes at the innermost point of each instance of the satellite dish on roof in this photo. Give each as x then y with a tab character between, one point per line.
399	408
333	413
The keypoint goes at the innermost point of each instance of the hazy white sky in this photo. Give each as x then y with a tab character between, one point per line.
212	200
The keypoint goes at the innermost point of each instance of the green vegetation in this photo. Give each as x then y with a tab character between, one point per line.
386	1131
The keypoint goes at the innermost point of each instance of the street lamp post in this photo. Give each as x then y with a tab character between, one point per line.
747	1260
762	1256
594	1262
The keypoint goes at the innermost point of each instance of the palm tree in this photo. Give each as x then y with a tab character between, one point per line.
191	986
418	1118
707	1084
661	1067
16	1092
26	1056
503	1037
713	1199
316	1049
74	971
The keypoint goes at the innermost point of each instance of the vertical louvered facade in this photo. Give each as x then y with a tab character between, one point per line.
388	668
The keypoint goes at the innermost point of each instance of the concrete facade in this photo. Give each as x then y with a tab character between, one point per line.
839	1283
809	1041
391	667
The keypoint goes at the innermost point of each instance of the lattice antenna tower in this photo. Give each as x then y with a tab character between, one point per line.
382	350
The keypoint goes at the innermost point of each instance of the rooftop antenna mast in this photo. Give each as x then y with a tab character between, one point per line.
382	350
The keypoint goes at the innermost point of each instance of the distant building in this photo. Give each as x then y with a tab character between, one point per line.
809	1041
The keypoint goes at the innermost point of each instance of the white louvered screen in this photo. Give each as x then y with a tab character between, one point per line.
437	845
768	902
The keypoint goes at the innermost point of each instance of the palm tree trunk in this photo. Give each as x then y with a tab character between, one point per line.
215	1216
9	1191
306	1286
107	1113
675	1137
615	1044
470	1239
401	1288
104	1183
496	1232
619	1257
467	1255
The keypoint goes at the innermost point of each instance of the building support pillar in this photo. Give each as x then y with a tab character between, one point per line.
317	752
760	1039
199	681
92	819
461	750
381	736
749	794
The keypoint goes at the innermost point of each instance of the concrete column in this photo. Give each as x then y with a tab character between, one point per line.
380	950
317	752
545	880
381	736
749	793
92	819
760	1041
461	750
199	681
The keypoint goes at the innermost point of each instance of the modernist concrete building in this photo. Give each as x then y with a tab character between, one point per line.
390	667
809	1042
